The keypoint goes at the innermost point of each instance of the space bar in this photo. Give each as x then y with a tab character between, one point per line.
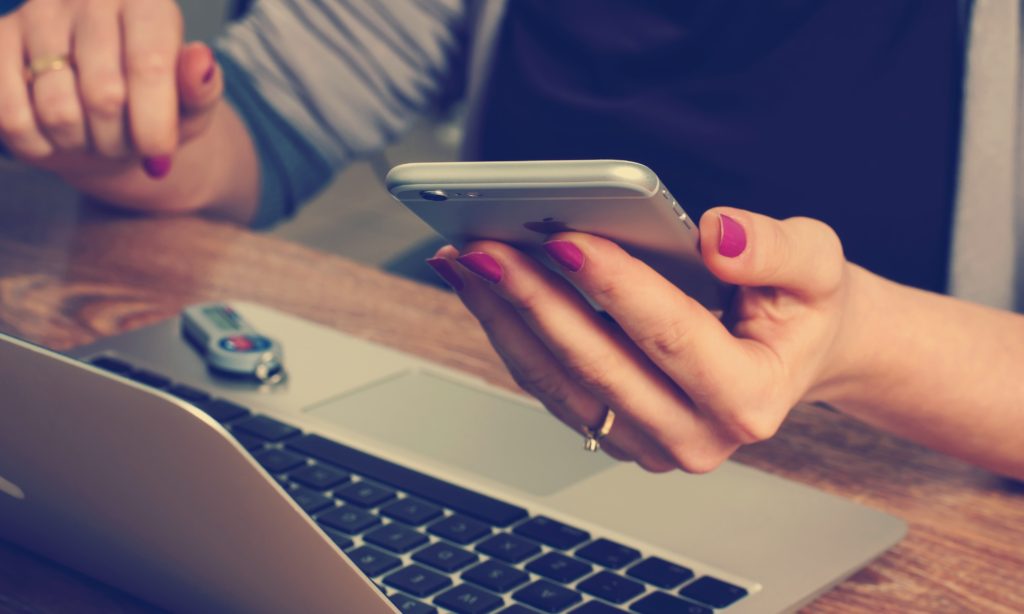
457	498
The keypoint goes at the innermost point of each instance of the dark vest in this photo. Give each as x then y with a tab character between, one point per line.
842	110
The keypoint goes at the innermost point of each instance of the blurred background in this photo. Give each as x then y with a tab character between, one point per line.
354	217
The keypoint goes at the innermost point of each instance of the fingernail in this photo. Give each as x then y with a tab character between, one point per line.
447	272
158	167
732	239
482	265
565	254
208	76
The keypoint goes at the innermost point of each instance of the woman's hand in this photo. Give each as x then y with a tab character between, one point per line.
98	86
687	389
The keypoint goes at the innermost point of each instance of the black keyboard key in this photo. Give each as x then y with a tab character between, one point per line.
417	581
459	529
348	519
662	603
468	599
608	553
479	506
373	562
660	572
596	607
153	380
396	538
445	557
559	567
319	476
496	576
509	548
222	410
113	365
279	461
310	501
408	605
515	608
713	592
187	393
547	596
611	587
552	533
365	494
266	427
411	511
341	540
250	443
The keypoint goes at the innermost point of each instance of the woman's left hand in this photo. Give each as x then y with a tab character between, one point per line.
687	389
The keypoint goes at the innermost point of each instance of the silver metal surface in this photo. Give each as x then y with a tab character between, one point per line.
784	542
522	203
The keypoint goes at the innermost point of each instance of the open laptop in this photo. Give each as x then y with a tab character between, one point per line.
372	479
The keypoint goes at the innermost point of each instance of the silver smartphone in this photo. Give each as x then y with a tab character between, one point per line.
523	203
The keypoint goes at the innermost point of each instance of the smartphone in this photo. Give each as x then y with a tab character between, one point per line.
523	203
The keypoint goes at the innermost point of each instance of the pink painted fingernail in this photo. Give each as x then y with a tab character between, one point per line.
482	265
566	254
732	239
157	167
446	271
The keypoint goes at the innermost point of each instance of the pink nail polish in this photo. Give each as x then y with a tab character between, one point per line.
482	265
158	167
732	239
208	76
447	272
565	254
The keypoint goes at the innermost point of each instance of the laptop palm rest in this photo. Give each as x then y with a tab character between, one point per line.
429	415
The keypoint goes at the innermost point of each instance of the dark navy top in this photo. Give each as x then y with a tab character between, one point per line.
843	110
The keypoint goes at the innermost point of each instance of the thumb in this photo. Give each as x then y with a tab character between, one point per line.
200	80
801	255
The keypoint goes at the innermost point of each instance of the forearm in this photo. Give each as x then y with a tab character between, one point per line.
942	372
216	174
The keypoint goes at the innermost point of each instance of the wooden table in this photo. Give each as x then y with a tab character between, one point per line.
70	274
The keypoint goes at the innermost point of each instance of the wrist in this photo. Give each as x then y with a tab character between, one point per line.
856	355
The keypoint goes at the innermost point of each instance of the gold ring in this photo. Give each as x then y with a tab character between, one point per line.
49	63
592	437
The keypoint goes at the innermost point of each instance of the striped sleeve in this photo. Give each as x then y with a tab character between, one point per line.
322	82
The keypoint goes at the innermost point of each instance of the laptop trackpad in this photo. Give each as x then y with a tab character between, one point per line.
495	436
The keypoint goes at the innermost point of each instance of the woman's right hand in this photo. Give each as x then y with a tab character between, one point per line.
114	86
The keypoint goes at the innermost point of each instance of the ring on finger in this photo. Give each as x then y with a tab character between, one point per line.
593	436
47	64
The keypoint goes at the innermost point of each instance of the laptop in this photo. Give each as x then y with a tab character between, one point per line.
374	481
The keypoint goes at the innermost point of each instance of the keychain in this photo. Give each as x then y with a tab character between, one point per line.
230	345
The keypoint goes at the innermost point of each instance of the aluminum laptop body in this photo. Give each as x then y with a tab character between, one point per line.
146	492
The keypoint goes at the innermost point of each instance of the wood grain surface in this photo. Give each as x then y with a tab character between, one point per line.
72	273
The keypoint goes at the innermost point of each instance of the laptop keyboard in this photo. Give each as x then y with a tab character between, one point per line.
435	546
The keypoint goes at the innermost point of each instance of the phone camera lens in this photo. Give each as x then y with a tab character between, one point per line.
434	195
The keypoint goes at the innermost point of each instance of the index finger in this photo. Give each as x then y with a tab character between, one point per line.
676	332
152	40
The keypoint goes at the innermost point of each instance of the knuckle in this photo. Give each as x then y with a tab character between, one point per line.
105	97
745	422
547	386
151	65
59	113
670	338
655	465
605	291
595	373
16	122
693	462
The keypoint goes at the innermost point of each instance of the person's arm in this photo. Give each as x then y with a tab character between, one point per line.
939	371
805	325
311	85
